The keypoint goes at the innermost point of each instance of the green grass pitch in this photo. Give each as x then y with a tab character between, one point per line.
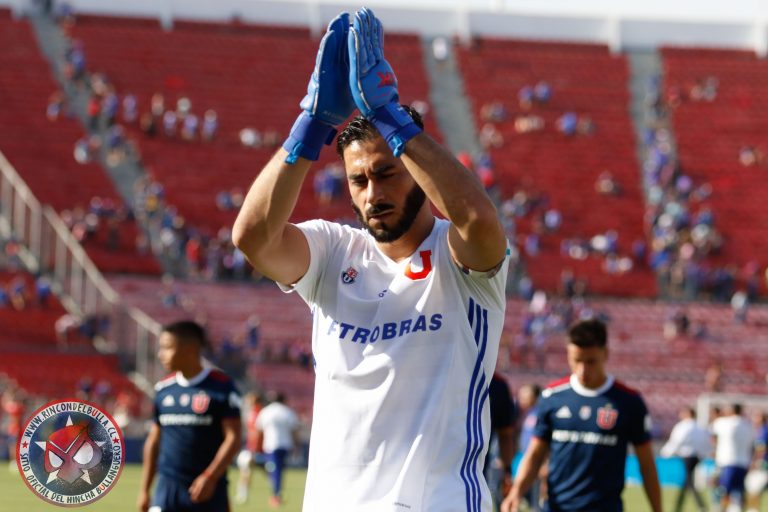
15	496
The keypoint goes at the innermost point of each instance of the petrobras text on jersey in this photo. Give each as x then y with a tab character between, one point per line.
386	330
169	419
586	437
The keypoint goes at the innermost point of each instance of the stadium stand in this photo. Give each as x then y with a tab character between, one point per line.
670	372
252	75
43	361
587	80
41	150
712	134
266	74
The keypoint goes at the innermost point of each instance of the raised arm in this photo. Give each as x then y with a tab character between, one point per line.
262	232
477	237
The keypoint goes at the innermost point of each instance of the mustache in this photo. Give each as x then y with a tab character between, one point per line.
378	208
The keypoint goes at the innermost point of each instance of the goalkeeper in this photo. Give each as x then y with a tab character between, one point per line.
408	310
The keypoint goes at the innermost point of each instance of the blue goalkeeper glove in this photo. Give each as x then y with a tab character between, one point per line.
328	101
374	85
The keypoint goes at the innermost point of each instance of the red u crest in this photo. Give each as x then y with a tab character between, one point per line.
426	267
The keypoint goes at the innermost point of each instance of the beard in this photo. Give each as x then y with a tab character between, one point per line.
386	233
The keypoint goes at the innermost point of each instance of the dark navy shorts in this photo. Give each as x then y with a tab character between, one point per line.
173	496
732	479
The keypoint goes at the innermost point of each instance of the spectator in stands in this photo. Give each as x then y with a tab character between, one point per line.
130	111
43	291
110	105
17	293
606	184
733	454
705	89
440	49
567	123
189	127
691	443
210	126
750	156
490	137
250	138
493	112
528	123
542	92
525	97
169	123
157	105
93	111
148	124
713	377
74	65
56	103
740	306
183	107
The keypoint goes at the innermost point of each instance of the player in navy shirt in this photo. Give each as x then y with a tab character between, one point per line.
196	432
585	424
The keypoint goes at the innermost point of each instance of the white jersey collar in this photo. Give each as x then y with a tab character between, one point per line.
197	379
585	391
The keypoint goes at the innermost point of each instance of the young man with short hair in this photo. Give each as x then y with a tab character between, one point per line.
585	424
196	429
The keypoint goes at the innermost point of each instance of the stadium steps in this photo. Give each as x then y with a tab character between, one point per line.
41	151
449	100
710	135
252	76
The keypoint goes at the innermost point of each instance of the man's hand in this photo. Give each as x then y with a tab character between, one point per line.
142	502
202	488
512	502
373	82
328	101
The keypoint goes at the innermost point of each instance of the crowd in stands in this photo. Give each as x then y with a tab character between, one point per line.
684	238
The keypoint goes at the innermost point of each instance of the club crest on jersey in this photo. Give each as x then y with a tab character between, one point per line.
426	267
200	402
70	453
349	276
606	417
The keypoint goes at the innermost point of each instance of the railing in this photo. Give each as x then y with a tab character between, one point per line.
50	248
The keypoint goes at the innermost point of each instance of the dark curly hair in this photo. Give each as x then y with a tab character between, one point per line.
361	129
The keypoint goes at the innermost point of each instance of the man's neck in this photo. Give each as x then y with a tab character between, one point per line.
404	246
191	371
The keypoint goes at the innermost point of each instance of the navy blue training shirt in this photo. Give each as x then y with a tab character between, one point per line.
588	432
190	413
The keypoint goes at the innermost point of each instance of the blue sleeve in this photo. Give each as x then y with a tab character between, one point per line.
543	428
233	404
156	409
641	423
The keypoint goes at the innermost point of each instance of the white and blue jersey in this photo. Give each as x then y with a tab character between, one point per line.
190	413
404	353
588	431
